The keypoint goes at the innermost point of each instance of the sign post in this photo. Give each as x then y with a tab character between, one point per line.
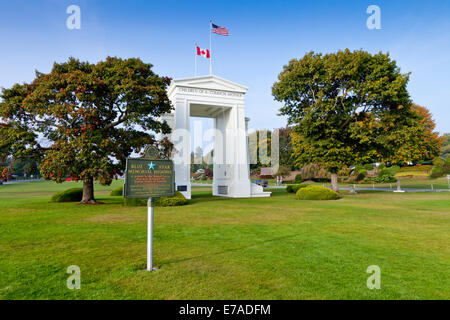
148	178
150	235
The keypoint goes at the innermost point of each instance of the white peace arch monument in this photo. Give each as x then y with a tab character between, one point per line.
222	100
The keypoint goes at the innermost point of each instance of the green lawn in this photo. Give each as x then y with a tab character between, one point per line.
216	248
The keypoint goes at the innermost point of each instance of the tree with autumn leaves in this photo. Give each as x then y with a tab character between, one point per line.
432	142
351	107
83	120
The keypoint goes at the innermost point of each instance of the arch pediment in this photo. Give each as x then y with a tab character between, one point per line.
207	82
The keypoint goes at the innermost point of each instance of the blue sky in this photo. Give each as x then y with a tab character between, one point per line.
264	35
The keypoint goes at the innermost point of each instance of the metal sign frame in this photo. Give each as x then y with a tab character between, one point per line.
145	164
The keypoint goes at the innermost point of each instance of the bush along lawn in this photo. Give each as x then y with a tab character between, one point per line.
70	195
316	193
177	200
219	248
293	188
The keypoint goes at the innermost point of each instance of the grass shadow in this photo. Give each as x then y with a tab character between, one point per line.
229	250
205	196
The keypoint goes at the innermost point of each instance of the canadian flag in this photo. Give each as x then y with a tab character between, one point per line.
203	52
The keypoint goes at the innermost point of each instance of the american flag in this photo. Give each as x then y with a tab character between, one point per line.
219	30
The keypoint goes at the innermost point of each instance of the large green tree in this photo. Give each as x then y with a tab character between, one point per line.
260	145
347	107
83	120
285	147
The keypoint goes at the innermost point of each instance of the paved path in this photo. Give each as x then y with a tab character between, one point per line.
210	185
377	189
393	189
20	181
347	188
201	184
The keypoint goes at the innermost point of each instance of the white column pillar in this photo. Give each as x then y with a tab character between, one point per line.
240	184
220	152
182	142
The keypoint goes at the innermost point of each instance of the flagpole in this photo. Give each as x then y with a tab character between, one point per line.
195	58
210	47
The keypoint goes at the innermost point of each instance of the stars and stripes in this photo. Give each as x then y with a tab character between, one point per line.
219	30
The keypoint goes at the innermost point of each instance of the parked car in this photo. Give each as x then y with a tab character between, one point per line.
262	183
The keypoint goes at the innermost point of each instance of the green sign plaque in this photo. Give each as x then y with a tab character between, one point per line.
149	178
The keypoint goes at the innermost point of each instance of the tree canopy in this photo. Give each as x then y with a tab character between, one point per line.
348	107
431	143
445	149
83	120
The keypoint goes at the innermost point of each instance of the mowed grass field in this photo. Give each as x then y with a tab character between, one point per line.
216	248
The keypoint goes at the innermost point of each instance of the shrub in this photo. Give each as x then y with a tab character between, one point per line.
394	169
441	167
368	167
293	188
382	166
385	178
298	178
316	193
117	192
437	172
424	168
439	162
357	168
385	172
177	200
446	167
360	176
70	195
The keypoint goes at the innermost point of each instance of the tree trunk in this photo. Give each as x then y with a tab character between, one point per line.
88	191
334	182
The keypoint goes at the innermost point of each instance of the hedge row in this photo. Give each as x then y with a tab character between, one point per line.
424	168
177	200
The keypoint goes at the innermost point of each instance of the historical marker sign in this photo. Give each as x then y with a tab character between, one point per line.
149	178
